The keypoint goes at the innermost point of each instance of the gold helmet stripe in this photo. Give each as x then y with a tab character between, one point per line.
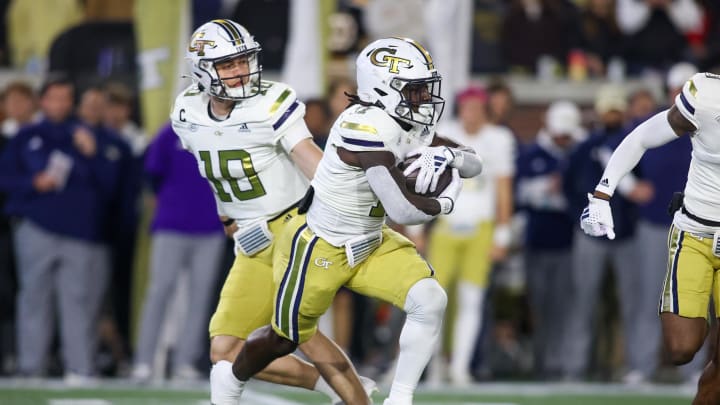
232	31
423	51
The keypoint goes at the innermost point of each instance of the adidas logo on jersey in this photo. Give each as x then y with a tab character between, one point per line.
243	128
605	183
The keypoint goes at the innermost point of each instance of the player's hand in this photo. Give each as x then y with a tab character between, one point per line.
432	162
596	218
448	196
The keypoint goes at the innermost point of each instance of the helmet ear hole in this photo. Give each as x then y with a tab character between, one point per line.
380	92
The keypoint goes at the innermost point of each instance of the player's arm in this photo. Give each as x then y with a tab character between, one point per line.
306	155
658	130
388	183
295	137
663	127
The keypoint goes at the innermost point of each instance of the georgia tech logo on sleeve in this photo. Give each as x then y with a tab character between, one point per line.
197	44
393	62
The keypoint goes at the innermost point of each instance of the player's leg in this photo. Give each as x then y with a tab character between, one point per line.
708	392
686	294
247	286
336	368
474	275
304	291
396	273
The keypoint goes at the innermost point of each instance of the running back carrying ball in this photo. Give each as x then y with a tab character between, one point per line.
410	178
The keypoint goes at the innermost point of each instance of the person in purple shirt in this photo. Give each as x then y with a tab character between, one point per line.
187	237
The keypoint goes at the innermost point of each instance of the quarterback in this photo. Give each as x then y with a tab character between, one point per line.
251	143
694	239
343	240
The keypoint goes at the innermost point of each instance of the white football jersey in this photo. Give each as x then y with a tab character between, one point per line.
699	102
245	157
344	205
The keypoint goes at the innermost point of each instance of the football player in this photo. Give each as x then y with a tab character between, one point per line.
252	145
344	241
694	239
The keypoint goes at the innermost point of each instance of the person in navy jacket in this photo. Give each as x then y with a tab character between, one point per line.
58	180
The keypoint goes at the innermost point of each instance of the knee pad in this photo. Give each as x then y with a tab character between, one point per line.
426	301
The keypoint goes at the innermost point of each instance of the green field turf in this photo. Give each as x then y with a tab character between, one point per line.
123	393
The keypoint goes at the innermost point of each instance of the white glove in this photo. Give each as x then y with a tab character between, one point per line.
596	218
432	162
448	197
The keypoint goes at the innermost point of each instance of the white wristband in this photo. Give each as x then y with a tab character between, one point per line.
446	205
502	235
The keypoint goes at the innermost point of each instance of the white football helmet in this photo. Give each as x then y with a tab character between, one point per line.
219	41
398	75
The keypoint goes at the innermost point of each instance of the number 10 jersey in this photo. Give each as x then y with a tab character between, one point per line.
245	157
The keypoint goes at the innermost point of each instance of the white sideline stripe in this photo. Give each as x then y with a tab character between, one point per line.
84	401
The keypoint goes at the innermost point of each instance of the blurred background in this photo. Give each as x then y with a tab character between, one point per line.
544	89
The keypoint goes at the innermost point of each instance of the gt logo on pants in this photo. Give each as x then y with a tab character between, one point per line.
322	262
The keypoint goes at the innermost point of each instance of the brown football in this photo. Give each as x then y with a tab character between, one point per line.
443	181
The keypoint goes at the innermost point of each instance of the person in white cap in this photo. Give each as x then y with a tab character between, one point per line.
548	231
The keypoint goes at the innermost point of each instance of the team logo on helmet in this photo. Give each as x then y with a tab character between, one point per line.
197	44
393	62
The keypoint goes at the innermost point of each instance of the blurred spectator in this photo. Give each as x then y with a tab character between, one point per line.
464	244
91	110
548	231
59	179
654	31
500	102
538	28
20	107
641	105
118	117
187	238
33	25
592	256
601	37
317	119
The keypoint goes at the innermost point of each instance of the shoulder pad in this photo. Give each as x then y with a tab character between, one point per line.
700	93
363	128
186	103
